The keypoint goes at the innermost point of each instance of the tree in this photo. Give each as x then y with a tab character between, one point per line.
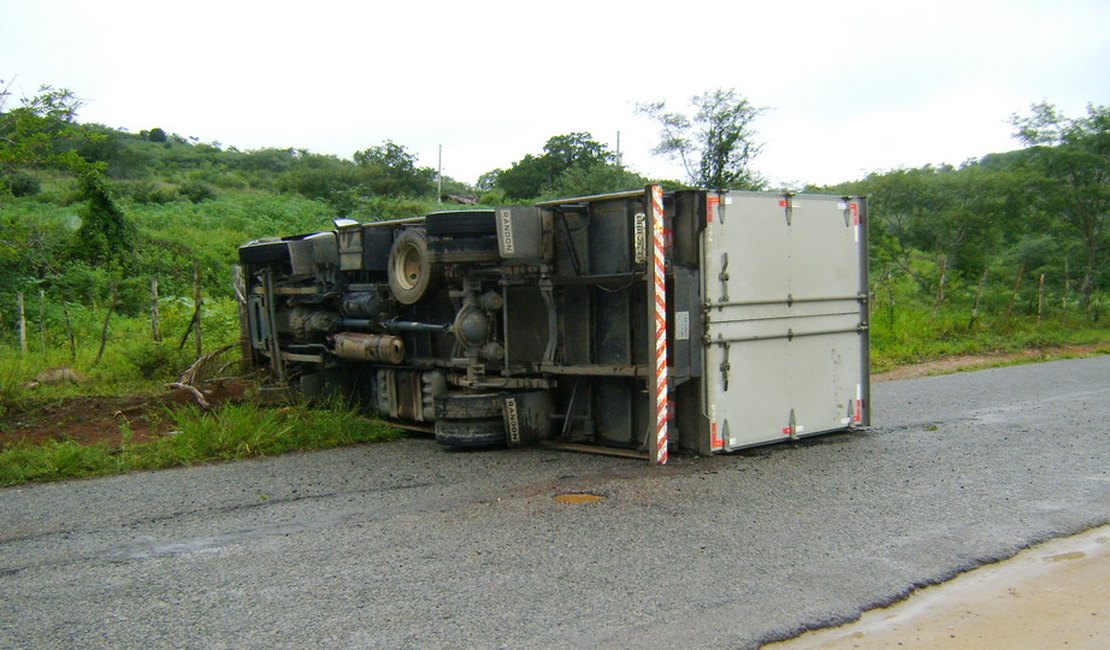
598	179
533	176
390	170
106	235
1073	158
41	132
32	134
716	146
488	180
575	150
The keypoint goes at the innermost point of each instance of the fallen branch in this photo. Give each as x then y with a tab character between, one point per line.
196	393
190	375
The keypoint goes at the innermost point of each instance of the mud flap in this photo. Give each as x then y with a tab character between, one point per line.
527	417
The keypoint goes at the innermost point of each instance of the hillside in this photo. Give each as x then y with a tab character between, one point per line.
997	253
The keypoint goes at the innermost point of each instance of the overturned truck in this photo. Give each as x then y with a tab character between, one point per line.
636	323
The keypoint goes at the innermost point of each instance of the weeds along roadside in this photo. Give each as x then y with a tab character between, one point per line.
229	432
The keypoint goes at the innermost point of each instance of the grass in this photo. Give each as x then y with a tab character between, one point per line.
913	334
231	432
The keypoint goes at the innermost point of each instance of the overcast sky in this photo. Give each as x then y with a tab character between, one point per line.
851	86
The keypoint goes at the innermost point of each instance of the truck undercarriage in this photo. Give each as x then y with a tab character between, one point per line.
615	320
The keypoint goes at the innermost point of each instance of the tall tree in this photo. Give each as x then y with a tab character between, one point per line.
106	235
390	170
32	134
532	175
1073	157
40	134
717	145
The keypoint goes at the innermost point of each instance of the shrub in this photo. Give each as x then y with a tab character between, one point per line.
158	361
196	191
20	184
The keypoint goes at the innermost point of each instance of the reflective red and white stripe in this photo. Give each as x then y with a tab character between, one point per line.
659	277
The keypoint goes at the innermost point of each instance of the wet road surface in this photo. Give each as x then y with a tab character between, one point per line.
405	545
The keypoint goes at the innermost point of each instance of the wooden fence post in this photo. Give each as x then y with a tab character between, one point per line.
69	333
197	302
42	321
940	285
22	324
239	281
1017	287
107	319
1040	301
978	298
1067	286
155	321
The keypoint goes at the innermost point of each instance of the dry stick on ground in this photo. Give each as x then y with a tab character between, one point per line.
107	319
191	374
189	377
203	403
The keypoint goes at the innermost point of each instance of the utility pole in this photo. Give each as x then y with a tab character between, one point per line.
439	177
618	148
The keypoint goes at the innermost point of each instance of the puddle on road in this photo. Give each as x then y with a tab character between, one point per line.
578	498
1053	595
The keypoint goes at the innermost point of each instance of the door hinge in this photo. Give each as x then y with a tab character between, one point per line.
726	365
723	277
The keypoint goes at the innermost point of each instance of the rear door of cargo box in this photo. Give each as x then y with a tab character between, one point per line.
785	286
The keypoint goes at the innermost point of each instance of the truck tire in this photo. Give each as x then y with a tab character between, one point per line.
461	406
476	223
470	249
411	272
471	434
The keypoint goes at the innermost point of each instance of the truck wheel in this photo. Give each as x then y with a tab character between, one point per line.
461	406
476	223
411	273
471	434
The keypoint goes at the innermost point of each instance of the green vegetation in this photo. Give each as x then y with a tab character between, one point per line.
717	144
571	165
231	432
1001	253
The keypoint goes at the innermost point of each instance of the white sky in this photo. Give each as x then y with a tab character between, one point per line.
853	86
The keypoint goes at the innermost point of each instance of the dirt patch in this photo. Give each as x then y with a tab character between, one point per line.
980	361
105	419
1055	595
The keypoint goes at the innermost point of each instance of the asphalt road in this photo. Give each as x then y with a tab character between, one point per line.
404	545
